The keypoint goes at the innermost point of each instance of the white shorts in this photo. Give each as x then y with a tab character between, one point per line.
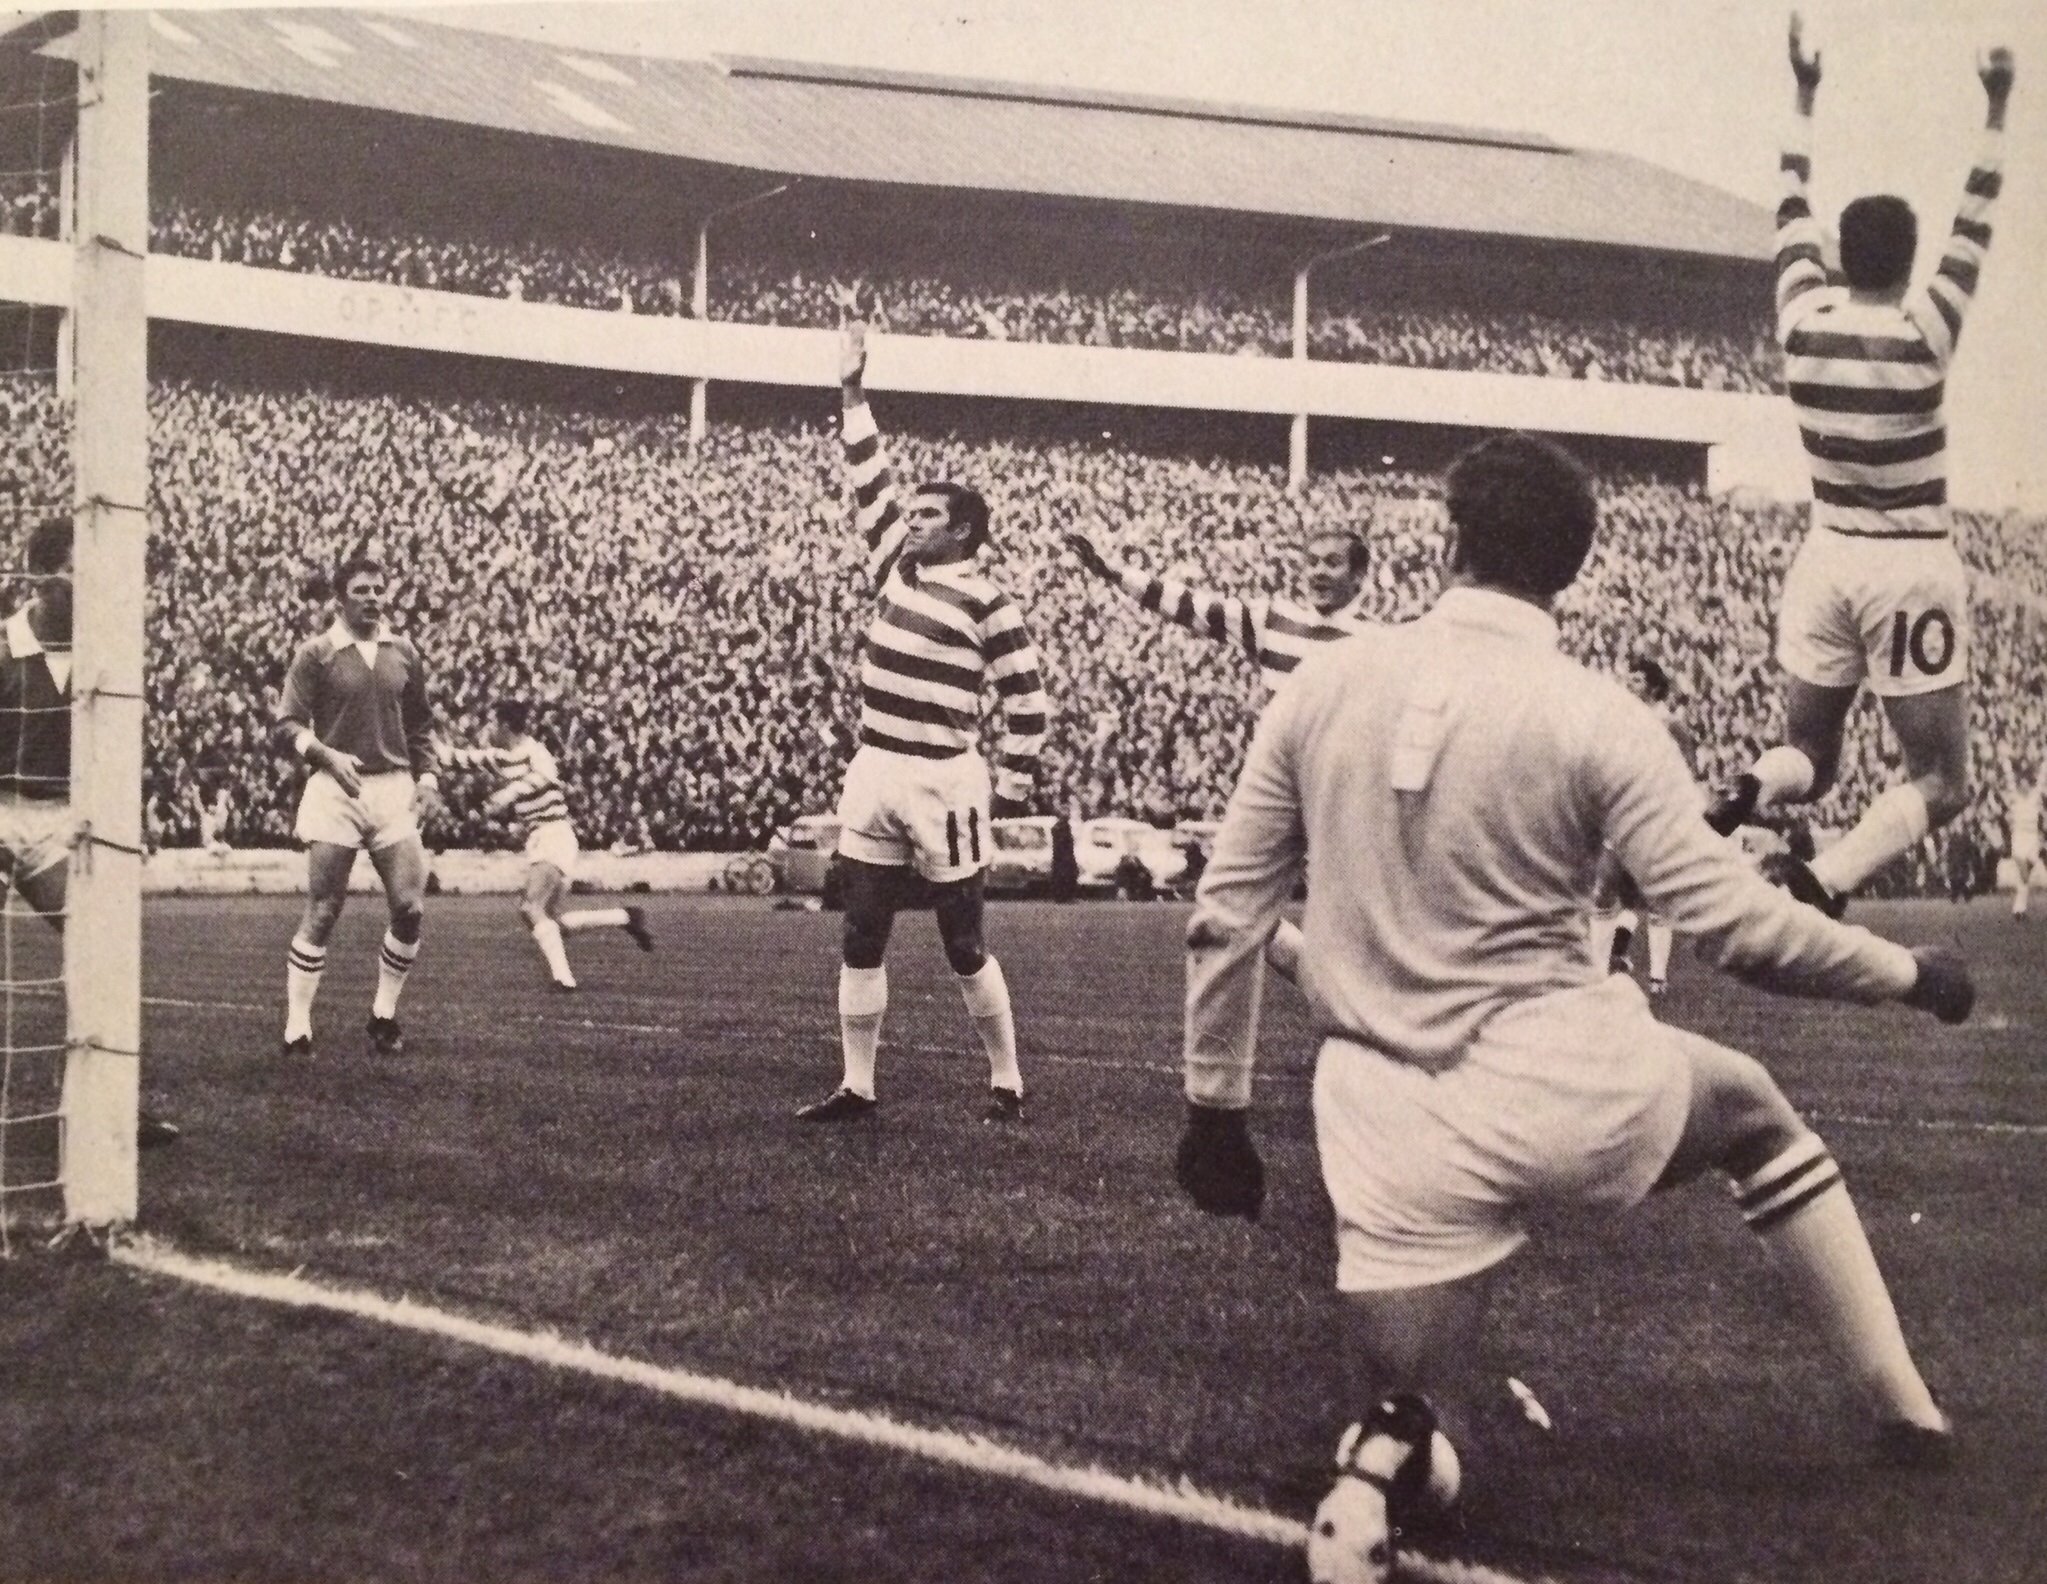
1576	1098
554	843
379	816
897	810
1892	612
35	835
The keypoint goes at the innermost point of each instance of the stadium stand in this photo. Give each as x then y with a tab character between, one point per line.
687	622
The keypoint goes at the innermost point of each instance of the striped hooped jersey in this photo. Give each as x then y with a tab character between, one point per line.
1868	380
529	781
1277	633
936	636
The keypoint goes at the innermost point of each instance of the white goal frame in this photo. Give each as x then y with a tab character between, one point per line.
109	348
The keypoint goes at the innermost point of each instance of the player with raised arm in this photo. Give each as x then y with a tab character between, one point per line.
1276	634
916	800
354	708
1618	908
2026	804
530	790
1448	785
37	828
1877	592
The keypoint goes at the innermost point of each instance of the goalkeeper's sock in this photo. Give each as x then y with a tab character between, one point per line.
1889	828
303	964
986	993
594	918
863	999
1661	936
1784	774
1283	952
394	962
547	935
1799	1208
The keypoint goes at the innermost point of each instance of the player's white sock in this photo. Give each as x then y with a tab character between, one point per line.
863	998
1799	1208
1660	937
594	918
394	962
2021	895
1599	935
986	994
1784	774
1283	952
547	935
1889	828
303	964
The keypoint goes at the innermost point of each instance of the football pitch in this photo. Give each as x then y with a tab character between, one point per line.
564	1292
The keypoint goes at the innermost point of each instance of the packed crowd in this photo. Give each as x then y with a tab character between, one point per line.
1404	323
688	622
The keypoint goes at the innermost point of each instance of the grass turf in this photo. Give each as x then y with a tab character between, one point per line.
622	1166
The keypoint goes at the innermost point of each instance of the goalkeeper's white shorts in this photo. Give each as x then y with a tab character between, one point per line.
554	842
896	810
1577	1098
378	816
35	835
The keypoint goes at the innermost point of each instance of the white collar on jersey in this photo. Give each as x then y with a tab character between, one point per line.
1504	613
338	636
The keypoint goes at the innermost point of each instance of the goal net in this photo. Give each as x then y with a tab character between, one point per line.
73	482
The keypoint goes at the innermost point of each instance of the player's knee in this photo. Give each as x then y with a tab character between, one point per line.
1756	1122
322	914
967	953
863	941
532	911
407	915
1946	791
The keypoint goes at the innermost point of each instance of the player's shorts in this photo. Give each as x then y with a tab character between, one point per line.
36	835
1577	1098
896	810
1892	612
379	816
554	843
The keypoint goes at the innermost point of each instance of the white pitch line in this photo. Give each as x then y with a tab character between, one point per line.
1180	1500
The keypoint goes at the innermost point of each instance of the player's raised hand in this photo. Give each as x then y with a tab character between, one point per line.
853	355
1217	1165
1805	66
1997	71
1944	986
345	768
1087	553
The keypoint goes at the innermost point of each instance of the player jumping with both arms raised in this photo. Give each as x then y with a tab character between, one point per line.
1275	633
917	793
1877	592
530	790
355	709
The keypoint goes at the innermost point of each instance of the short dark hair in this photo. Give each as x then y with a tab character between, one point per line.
966	508
1655	680
1355	547
48	549
1524	514
514	714
363	560
1879	236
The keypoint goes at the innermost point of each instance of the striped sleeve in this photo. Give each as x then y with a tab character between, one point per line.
1801	265
470	758
874	493
1012	665
1221	617
1938	309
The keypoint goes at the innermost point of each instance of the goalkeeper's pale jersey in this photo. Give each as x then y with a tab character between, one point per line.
1448	784
1869	380
1276	633
937	635
529	781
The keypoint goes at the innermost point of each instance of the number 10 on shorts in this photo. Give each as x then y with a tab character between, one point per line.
1927	641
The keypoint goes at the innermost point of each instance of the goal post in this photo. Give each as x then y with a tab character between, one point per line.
108	345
